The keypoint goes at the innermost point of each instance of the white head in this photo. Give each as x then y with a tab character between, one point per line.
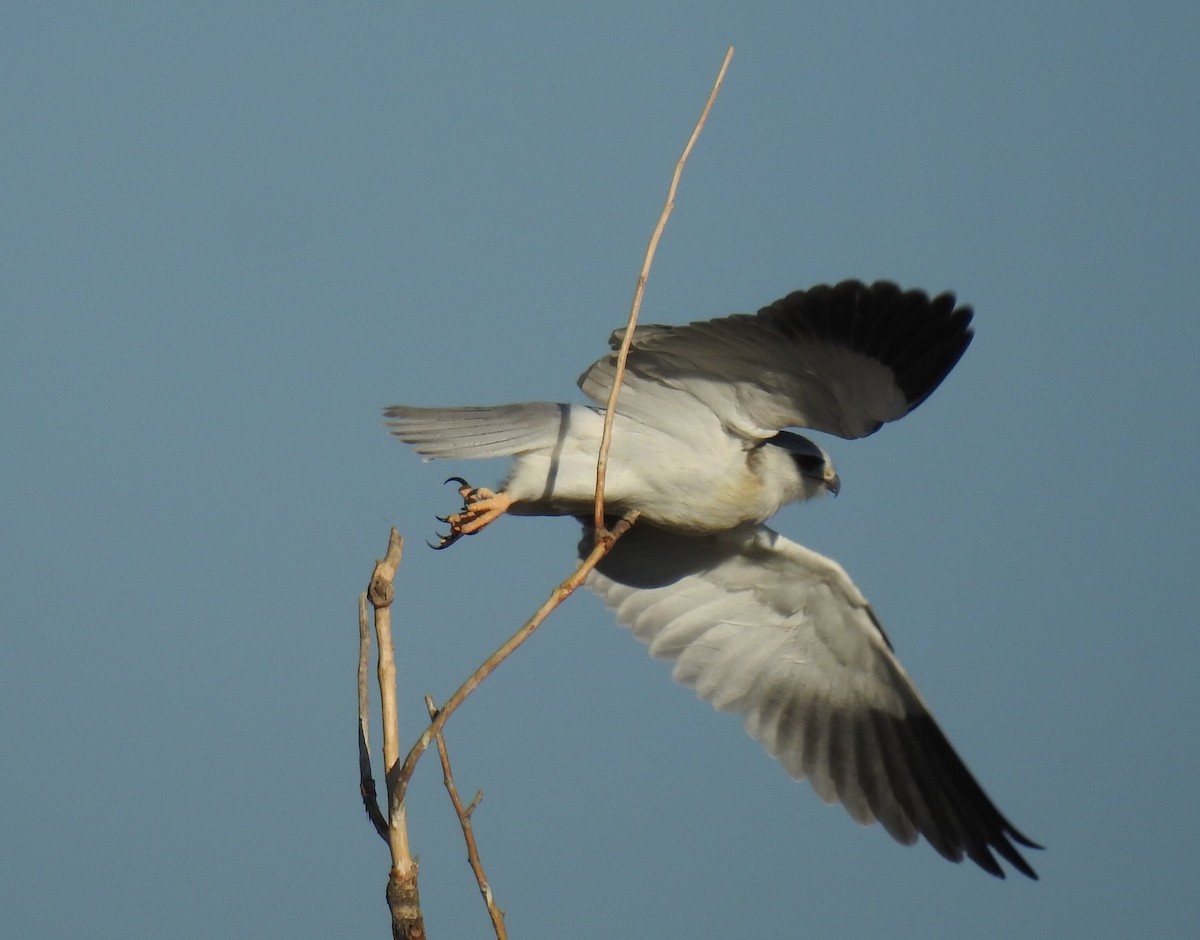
817	475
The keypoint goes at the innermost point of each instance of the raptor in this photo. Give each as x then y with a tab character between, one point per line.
755	623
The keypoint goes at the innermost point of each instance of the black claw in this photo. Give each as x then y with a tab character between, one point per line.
445	541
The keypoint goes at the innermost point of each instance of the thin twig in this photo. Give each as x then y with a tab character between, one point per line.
464	820
610	409
366	779
398	787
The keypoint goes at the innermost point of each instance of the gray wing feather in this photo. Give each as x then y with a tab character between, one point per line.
478	432
766	628
843	359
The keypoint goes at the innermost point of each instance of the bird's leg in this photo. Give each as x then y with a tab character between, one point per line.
481	507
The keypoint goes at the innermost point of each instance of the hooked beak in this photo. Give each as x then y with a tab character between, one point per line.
832	482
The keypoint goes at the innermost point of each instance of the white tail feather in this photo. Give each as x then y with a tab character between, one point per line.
496	431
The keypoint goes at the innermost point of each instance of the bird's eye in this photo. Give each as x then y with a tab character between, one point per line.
809	463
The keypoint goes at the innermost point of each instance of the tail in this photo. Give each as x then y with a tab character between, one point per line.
498	431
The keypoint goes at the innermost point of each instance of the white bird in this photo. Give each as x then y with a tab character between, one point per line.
754	622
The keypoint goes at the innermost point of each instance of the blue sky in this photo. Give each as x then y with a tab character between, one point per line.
233	232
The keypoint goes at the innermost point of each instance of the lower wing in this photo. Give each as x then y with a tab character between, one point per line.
764	627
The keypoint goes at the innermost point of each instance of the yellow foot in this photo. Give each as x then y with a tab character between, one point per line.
481	507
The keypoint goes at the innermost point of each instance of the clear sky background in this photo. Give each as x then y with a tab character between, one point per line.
231	233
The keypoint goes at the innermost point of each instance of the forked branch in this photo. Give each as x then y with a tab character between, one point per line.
604	538
402	884
557	596
464	820
402	896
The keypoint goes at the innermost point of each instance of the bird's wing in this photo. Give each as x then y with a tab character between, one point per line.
843	359
761	626
479	432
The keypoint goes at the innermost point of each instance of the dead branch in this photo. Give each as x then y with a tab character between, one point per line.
610	409
557	596
366	779
403	899
402	896
464	820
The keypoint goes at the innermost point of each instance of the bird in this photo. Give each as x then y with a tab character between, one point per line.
753	622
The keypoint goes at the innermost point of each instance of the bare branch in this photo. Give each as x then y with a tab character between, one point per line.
623	353
402	896
603	545
366	779
402	893
464	820
381	594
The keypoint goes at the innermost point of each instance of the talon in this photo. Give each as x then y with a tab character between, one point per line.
465	489
445	541
481	507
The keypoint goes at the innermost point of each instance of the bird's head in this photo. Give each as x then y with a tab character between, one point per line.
817	474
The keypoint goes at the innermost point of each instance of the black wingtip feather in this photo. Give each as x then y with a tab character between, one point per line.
984	829
920	339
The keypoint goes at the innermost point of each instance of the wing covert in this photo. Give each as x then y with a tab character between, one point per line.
843	359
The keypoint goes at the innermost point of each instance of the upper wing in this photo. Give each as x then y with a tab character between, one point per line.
842	359
759	625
